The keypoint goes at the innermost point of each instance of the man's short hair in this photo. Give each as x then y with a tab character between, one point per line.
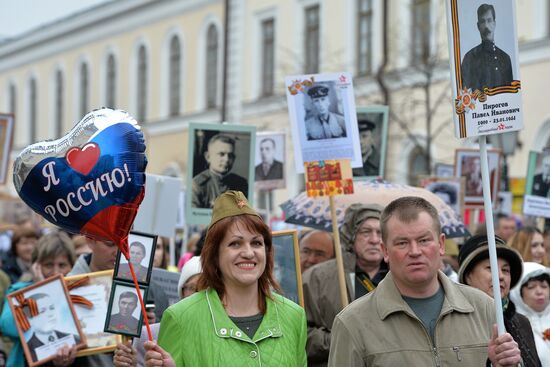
268	139
223	138
128	294
140	245
406	209
484	8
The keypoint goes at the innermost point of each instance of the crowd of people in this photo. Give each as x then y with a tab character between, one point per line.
409	290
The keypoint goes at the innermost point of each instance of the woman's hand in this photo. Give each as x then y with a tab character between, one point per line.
65	356
155	356
36	270
125	355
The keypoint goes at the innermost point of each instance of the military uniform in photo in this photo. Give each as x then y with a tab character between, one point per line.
140	271
207	186
486	66
265	171
34	342
541	185
331	126
371	162
119	322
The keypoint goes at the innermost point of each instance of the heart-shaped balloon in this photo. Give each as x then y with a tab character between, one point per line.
90	181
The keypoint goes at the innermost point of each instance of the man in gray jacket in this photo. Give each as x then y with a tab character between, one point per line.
364	268
416	316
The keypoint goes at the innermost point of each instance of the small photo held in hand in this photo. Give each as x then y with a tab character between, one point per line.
142	253
124	315
45	320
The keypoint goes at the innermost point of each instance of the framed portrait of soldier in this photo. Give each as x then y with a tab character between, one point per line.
444	170
372	123
270	163
323	118
124	314
96	289
221	158
485	79
6	138
141	247
448	189
45	319
537	185
287	264
468	166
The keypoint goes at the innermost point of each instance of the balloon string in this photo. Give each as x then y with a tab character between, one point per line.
141	301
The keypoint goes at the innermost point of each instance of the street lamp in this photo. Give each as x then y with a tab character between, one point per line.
507	143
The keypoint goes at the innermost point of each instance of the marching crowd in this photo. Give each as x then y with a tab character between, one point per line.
416	298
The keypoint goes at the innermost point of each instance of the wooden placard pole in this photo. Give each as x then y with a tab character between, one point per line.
491	233
338	254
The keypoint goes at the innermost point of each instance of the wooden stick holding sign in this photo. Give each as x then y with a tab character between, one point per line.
338	254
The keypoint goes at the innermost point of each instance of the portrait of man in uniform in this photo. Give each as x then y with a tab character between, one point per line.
369	152
323	123
269	168
541	181
123	320
138	254
486	65
217	178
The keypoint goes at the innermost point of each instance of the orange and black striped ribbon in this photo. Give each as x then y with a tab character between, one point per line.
20	316
83	301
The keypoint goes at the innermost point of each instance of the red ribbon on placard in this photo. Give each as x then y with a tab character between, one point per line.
20	314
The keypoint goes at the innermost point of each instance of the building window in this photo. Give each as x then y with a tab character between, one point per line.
142	84
84	87
311	46
420	45
58	119
175	73
111	81
211	66
13	99
268	56
364	37
32	110
418	166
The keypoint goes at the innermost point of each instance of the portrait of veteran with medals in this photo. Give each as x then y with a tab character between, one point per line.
486	65
323	124
217	179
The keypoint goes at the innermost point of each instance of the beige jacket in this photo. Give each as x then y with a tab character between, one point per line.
380	329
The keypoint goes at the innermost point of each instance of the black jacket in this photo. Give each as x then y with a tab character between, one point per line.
520	328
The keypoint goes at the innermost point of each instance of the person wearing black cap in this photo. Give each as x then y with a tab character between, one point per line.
475	271
324	124
369	153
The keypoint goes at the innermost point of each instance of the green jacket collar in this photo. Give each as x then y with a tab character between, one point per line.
225	328
390	300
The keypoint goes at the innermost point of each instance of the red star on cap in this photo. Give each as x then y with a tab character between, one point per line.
241	204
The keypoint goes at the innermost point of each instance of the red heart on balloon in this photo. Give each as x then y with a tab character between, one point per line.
83	160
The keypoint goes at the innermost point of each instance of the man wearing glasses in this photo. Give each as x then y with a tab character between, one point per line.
364	265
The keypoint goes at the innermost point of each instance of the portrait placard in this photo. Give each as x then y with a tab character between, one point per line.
270	161
444	170
485	79
449	189
97	291
6	139
142	248
372	123
124	314
55	324
323	118
168	282
287	264
537	186
468	165
221	158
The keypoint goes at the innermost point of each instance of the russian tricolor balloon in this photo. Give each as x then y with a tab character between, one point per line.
91	181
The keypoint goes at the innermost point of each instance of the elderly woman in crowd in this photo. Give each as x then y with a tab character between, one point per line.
532	297
235	317
530	244
475	271
18	262
130	356
54	254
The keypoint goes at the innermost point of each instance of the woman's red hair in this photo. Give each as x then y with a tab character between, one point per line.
211	276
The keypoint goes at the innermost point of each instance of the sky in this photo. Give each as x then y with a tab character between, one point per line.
20	16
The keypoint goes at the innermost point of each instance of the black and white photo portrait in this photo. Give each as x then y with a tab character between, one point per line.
371	122
269	167
323	117
468	165
125	316
541	180
448	192
142	252
487	65
219	166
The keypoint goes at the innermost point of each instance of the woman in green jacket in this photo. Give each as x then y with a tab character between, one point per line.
236	319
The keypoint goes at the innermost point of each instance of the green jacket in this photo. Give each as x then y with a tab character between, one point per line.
197	332
380	329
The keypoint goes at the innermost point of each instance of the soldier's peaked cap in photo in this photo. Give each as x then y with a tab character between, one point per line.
318	91
365	125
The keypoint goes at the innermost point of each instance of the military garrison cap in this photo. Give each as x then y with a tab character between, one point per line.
318	91
365	125
230	204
